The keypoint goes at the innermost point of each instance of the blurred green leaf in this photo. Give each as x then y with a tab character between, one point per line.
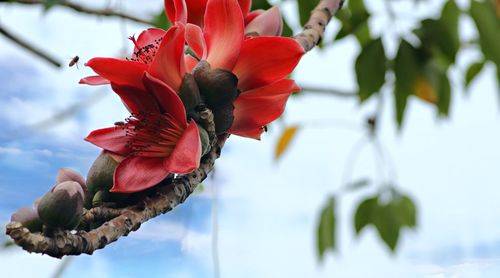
370	69
388	216
51	3
444	94
305	8
364	213
473	70
387	221
407	212
8	244
287	31
435	35
354	19
406	70
450	18
326	228
161	21
488	25
260	4
357	184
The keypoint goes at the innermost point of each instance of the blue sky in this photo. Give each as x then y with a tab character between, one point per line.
266	211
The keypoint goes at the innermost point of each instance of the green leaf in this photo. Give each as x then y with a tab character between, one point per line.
260	4
488	25
161	21
407	212
370	69
51	3
305	8
406	71
387	221
354	19
287	31
436	36
473	70
326	228
357	184
450	18
364	213
444	94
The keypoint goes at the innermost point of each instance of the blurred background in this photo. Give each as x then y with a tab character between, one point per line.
399	105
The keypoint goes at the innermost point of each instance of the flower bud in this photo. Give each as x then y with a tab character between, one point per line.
223	118
205	140
62	207
218	87
66	174
29	218
268	23
100	176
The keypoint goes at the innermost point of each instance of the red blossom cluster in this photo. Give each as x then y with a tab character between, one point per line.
218	54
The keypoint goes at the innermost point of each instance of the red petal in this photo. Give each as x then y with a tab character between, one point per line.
245	6
169	101
264	60
258	107
223	32
112	139
269	23
168	64
196	11
253	14
94	80
176	11
191	62
185	157
136	100
195	39
121	72
149	36
137	173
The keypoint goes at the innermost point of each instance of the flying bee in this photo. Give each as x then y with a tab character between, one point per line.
120	123
74	61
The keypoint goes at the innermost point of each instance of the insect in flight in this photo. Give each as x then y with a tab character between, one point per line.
74	61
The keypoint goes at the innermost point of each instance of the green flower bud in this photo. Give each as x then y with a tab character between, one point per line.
29	218
205	140
100	176
66	174
62	207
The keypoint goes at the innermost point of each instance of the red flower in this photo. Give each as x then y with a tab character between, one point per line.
260	63
156	140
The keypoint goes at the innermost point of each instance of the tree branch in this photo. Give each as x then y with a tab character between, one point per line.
22	43
315	26
327	91
83	9
162	198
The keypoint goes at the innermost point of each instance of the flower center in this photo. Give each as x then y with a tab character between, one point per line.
144	54
152	134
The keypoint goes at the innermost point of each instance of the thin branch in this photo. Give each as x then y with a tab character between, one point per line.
22	43
83	9
327	91
315	26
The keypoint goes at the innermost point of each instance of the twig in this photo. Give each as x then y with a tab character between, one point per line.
327	91
22	43
315	26
83	9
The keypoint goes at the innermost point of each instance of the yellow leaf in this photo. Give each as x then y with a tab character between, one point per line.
284	141
425	91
